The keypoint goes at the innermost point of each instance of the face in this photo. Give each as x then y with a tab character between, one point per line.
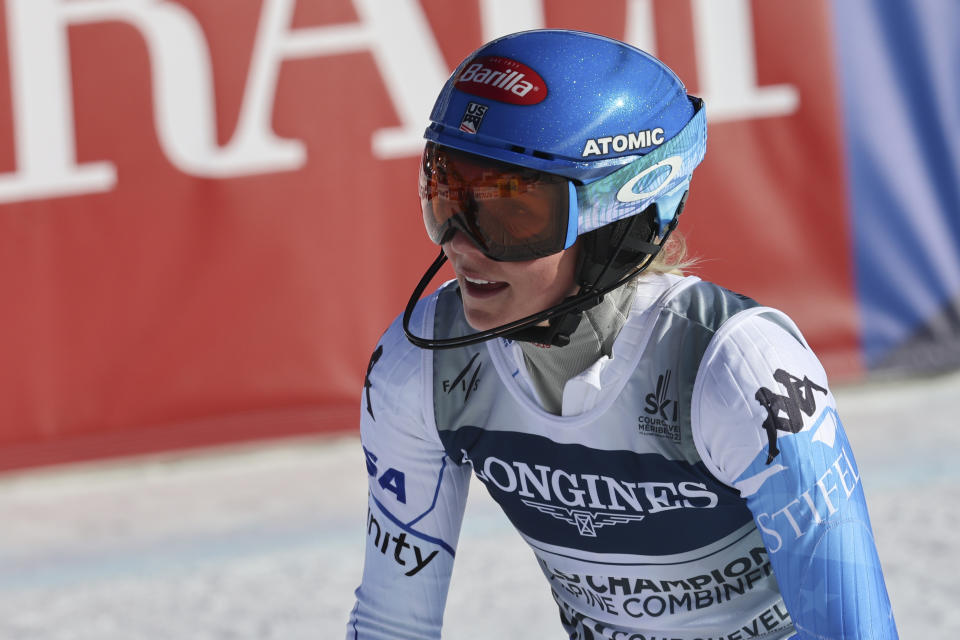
495	293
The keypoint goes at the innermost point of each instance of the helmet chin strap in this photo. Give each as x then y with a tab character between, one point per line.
559	328
562	318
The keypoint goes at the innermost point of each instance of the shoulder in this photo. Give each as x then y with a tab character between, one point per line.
396	388
704	303
405	459
756	369
687	301
394	364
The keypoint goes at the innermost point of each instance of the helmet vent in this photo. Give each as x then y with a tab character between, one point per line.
543	155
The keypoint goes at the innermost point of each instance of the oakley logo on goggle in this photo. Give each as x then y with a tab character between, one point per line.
627	194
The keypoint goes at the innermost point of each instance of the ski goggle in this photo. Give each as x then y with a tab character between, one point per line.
515	213
511	213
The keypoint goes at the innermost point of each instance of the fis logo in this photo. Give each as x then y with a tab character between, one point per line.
461	382
473	117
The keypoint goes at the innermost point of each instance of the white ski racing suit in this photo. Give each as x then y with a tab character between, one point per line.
697	486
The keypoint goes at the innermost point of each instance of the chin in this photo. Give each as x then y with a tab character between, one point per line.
481	321
480	324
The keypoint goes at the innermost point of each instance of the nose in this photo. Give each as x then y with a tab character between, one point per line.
462	244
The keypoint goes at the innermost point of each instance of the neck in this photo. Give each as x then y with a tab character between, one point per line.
551	367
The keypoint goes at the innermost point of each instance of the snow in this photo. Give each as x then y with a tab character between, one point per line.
265	541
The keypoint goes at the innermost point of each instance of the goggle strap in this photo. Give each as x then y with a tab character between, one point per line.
573	219
640	246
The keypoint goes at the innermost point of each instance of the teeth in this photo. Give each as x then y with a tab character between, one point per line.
477	281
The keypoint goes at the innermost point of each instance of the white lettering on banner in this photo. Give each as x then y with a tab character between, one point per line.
500	17
182	77
184	108
395	33
725	51
43	132
181	72
727	64
639	28
398	36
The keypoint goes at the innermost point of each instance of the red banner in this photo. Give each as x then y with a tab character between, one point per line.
208	210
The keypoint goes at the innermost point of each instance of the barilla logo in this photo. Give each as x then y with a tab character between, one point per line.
502	79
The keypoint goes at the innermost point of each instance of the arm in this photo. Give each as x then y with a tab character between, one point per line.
415	505
766	424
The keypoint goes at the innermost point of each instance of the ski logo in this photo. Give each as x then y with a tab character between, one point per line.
586	522
472	117
658	402
661	412
502	79
799	400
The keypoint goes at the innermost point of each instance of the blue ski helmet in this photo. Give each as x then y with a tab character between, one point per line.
615	122
608	116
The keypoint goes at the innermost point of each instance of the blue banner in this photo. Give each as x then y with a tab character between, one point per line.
899	76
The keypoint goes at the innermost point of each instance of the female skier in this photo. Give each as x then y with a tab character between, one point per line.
670	450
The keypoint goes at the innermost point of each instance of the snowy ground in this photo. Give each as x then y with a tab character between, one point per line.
265	542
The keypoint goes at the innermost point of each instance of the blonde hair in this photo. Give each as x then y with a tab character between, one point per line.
673	257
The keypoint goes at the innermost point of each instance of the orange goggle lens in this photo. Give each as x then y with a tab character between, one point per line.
510	212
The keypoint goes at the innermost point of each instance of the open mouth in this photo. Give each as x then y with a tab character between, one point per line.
479	287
